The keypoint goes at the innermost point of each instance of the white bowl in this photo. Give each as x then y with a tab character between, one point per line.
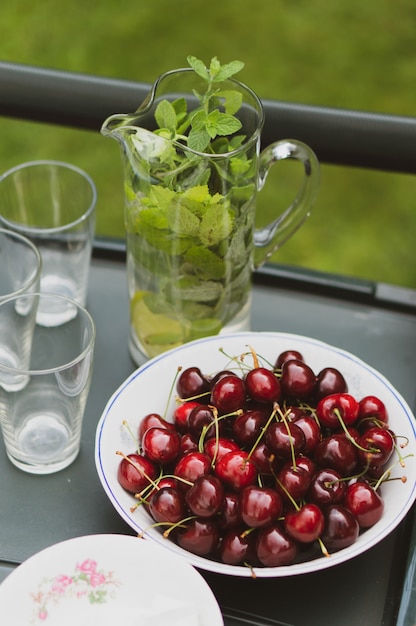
147	390
107	580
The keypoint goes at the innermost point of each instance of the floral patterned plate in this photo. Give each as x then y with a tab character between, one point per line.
107	580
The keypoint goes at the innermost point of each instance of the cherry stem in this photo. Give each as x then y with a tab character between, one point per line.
175	378
272	416
386	474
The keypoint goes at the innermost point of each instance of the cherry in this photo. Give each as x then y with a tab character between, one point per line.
206	496
329	381
284	439
305	524
161	445
372	412
190	467
220	375
200	536
262	385
189	443
181	413
264	459
274	547
215	447
247	426
337	452
297	379
237	547
230	516
379	445
327	487
341	527
228	394
135	473
260	506
167	505
202	417
287	355
236	470
337	407
151	420
191	383
293	482
311	430
364	503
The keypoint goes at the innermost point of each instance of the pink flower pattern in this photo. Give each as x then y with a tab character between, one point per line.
87	581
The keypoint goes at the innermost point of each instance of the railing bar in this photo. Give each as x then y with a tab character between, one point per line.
338	136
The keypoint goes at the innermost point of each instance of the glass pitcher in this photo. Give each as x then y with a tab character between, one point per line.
192	243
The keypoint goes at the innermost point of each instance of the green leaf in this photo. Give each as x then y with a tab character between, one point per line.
165	116
214	68
216	225
228	70
205	262
198	139
232	100
227	124
182	221
199	67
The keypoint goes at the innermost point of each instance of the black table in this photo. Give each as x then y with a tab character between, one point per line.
375	322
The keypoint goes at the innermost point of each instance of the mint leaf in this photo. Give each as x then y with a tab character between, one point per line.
198	139
198	66
207	263
228	70
165	116
182	221
216	225
232	100
227	124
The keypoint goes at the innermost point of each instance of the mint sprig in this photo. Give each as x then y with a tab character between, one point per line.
213	117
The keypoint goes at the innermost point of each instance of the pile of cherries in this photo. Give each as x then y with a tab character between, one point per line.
263	465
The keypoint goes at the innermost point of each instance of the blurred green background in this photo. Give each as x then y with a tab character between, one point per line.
348	54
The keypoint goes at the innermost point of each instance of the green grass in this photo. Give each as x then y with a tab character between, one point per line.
347	54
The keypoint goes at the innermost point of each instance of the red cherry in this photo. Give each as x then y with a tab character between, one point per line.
293	482
161	445
237	547
189	443
230	516
168	505
190	467
327	487
260	506
181	414
341	527
262	385
203	417
284	439
206	496
135	473
192	383
247	426
236	470
329	381
274	547
337	452
379	443
333	409
228	394
200	536
287	355
311	430
306	524
297	379
364	503
215	448
372	412
149	421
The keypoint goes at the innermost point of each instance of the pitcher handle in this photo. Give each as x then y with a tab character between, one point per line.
269	238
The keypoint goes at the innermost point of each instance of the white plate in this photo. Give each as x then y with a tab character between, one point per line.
147	390
107	580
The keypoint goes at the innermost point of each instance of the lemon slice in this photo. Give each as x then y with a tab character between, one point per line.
155	332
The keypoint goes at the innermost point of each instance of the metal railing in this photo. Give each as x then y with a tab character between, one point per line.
338	136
